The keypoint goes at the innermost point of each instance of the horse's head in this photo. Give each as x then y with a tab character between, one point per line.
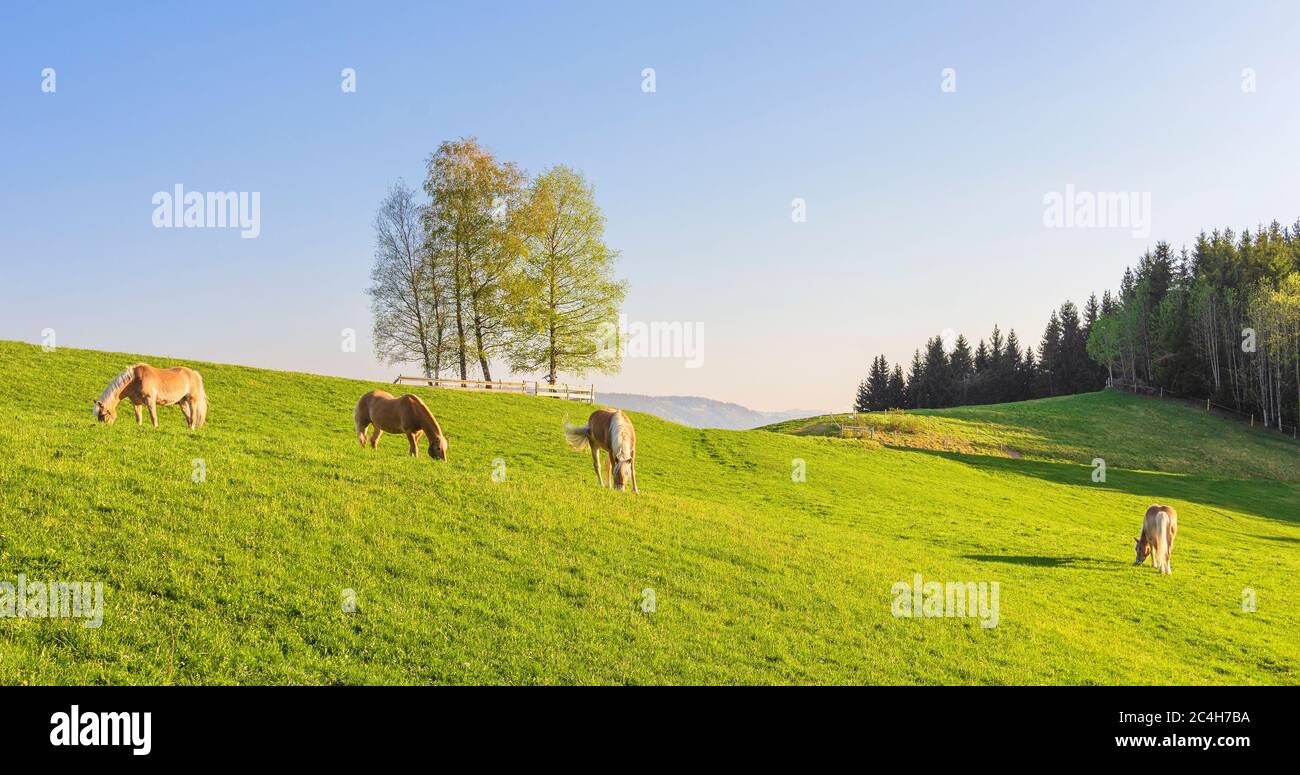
438	447
105	414
1141	550
622	474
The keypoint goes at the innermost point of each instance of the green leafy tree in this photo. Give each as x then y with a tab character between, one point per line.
564	298
473	237
1104	342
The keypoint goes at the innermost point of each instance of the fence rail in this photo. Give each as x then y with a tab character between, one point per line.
584	393
853	429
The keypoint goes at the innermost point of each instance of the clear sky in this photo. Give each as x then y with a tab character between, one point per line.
924	206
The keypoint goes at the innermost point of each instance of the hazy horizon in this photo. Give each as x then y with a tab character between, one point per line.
925	204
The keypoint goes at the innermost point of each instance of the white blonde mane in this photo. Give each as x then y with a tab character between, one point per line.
115	387
620	438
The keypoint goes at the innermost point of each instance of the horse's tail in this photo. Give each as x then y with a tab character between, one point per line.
577	436
361	418
199	402
1160	541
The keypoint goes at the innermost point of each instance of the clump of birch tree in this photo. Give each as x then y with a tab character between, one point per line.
493	267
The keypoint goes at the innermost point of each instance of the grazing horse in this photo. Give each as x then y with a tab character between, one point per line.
1157	539
407	414
609	430
143	385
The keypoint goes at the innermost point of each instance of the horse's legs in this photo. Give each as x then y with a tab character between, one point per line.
595	463
411	437
635	490
187	412
139	413
609	470
153	410
375	433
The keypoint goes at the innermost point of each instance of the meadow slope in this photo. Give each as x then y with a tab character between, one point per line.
539	578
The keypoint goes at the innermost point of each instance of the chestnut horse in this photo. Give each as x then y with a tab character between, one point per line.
407	414
143	385
1159	527
609	430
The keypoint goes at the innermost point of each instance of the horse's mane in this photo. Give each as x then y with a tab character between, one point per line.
428	415
620	437
115	387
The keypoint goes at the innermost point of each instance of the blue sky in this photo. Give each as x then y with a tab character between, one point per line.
925	208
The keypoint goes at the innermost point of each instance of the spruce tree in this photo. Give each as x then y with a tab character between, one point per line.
915	380
1028	374
1073	366
979	392
1091	311
862	398
961	367
1010	376
1049	350
936	374
897	393
878	385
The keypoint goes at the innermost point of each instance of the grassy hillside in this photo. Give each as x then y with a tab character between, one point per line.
1124	430
539	578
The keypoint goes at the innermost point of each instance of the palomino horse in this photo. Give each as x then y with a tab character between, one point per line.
1159	527
407	414
609	430
143	385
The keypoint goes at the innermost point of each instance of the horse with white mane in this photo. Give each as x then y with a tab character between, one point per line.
609	430
407	414
1159	527
145	386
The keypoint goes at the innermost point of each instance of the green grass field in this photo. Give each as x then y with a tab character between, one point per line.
539	578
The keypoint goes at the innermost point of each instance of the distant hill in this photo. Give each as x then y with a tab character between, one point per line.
700	412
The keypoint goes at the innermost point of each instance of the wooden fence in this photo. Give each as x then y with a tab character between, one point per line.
853	428
1256	421
586	394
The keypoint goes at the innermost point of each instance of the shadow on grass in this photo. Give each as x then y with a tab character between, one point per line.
1266	498
1041	561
